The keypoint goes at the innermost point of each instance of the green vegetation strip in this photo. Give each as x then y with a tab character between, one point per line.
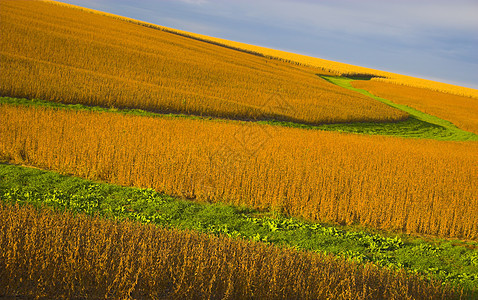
411	128
451	261
422	125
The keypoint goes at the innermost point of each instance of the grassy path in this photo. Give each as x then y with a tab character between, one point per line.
452	261
424	125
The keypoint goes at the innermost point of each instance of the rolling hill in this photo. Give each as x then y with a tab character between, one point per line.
308	178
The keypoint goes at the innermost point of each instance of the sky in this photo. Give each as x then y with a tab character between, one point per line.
432	39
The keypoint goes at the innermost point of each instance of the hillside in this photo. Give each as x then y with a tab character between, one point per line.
72	56
415	186
337	68
461	111
143	162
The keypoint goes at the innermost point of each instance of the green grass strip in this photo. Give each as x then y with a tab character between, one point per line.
451	261
431	127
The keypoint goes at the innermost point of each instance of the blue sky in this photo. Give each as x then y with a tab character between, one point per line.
433	39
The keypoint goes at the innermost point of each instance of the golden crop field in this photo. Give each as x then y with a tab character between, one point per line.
337	68
73	56
58	255
67	54
416	186
461	111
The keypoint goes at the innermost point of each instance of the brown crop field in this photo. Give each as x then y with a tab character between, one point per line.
73	56
324	65
416	186
200	141
461	111
57	255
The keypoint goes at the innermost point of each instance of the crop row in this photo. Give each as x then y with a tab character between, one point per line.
44	253
459	110
416	186
76	57
336	68
450	262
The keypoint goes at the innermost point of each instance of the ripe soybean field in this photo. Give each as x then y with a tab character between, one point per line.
336	68
72	56
453	262
427	125
416	186
461	111
215	129
106	259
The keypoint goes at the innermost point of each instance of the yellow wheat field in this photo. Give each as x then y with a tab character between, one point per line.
57	255
461	111
416	186
326	65
73	56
